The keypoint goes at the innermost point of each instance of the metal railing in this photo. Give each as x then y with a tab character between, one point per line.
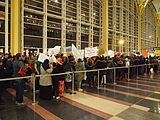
33	76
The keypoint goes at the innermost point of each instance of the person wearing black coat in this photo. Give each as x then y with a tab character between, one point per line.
20	83
5	59
90	75
2	85
68	66
55	79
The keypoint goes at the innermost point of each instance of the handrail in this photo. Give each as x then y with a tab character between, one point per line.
33	76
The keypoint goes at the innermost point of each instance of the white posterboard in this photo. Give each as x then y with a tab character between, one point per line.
42	57
90	52
76	52
110	53
54	51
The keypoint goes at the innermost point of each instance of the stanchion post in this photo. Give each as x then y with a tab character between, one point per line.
114	76
98	79
34	90
128	73
146	69
137	71
73	92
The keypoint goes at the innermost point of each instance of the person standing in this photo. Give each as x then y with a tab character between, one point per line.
2	75
45	81
57	79
5	59
20	83
37	65
79	66
90	75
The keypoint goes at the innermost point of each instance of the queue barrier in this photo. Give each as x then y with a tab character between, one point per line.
33	77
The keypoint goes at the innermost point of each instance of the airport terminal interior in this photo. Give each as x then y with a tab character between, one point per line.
123	84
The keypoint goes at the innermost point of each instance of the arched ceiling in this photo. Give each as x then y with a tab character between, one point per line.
156	4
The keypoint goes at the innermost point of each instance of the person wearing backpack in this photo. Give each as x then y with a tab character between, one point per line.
20	83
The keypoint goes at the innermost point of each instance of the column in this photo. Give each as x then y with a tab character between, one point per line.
22	26
157	28
78	36
15	27
139	30
140	4
45	26
6	26
63	32
91	23
105	24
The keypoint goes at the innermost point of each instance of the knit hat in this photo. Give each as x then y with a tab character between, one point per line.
59	60
90	59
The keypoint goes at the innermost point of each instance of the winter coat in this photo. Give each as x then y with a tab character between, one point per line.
79	67
2	72
9	68
90	66
45	80
16	67
56	70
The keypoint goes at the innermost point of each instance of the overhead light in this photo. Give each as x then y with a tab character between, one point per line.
150	36
121	42
56	1
94	13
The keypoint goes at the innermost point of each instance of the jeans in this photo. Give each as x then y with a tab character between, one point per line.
20	84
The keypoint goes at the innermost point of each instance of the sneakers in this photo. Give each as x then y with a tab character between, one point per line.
80	90
57	98
20	104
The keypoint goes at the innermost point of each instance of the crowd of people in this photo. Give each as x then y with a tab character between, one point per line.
53	86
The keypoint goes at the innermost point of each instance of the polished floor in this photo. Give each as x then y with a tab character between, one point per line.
136	99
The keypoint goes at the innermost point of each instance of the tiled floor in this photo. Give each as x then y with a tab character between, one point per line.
136	99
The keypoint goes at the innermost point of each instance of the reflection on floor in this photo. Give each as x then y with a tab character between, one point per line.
127	100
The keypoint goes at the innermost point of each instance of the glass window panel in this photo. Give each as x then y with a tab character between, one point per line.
2	39
33	30
53	42
33	42
69	43
34	4
2	26
84	45
54	33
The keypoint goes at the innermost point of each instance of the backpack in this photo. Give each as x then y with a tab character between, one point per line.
28	73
